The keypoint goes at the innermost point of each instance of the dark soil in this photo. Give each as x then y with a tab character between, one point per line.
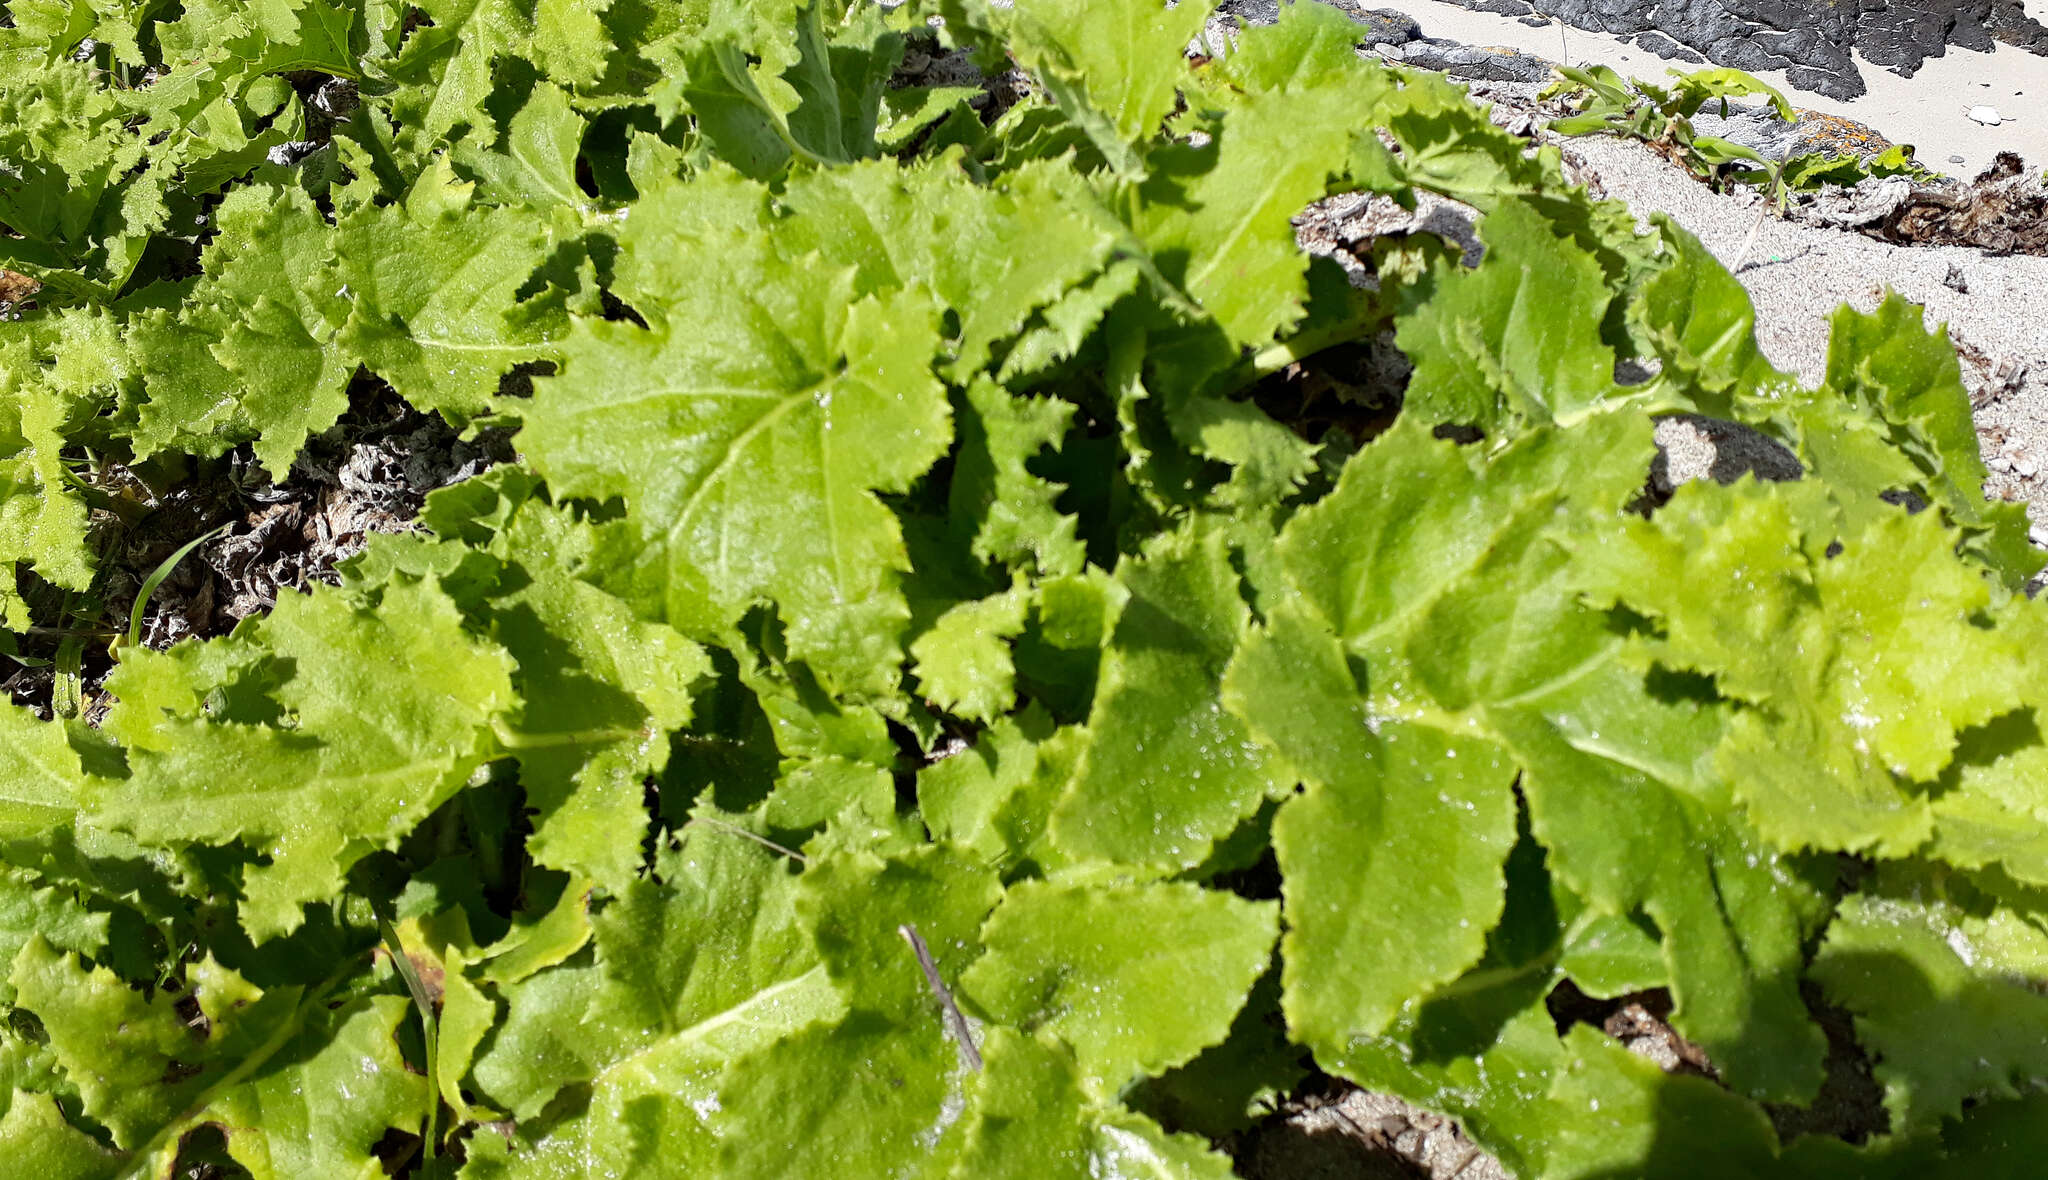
1333	1130
370	473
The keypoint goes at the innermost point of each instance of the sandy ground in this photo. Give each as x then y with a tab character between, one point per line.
1926	110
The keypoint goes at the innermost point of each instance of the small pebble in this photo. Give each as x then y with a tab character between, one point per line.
2026	466
1985	115
1955	159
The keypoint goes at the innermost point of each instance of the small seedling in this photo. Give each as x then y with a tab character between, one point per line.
155	579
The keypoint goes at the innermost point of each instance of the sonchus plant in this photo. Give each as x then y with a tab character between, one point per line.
910	708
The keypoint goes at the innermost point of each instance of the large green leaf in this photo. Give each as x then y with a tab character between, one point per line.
42	786
992	254
1392	857
1908	382
447	62
1088	964
1219	217
255	345
432	287
245	1061
340	726
1114	66
1924	951
1702	324
777	81
1516	338
690	973
1167	771
748	428
899	1077
599	690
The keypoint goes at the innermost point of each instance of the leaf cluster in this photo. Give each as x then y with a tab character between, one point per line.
1662	117
930	697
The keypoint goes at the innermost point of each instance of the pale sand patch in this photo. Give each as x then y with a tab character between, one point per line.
1926	110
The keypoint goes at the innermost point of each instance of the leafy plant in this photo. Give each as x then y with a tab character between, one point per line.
923	702
1662	118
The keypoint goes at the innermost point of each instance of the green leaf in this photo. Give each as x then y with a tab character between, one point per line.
150	1075
1029	1117
899	1080
1014	511
1167	771
773	82
993	254
891	1109
1885	669
431	288
1132	1145
1230	1086
1114	67
446	64
856	902
949	586
1394	853
267	315
1632	1118
43	785
43	519
351	749
699	970
748	429
534	160
276	1133
592	723
993	798
1086	963
1219	219
1988	813
1434	568
963	662
1923	951
1702	324
599	690
48	914
1886	364
38	1139
1515	339
80	195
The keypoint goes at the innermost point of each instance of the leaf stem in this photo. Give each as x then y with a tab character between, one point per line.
515	740
429	1026
1275	357
67	689
956	1024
